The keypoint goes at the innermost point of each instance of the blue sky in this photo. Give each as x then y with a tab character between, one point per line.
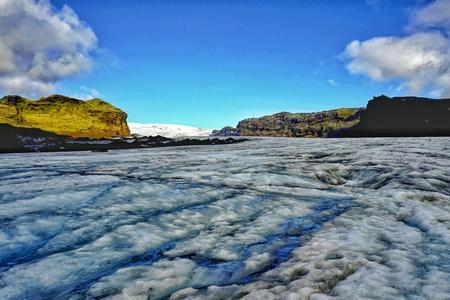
213	63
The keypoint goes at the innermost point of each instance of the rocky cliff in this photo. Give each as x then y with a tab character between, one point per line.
65	116
321	124
226	131
403	116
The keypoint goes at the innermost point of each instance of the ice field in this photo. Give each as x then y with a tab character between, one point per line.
264	219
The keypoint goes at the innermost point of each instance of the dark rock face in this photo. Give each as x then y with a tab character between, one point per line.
403	116
226	131
14	138
321	124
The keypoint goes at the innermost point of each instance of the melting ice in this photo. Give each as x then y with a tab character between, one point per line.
265	219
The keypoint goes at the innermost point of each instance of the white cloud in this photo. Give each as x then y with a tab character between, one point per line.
373	3
420	60
40	45
86	94
222	89
332	82
436	15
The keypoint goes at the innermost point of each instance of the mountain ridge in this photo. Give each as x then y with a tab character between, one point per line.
327	123
383	117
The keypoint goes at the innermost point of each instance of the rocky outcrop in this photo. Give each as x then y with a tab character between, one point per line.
65	116
226	131
18	140
321	124
403	116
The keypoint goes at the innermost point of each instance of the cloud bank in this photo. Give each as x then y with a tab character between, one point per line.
40	45
420	60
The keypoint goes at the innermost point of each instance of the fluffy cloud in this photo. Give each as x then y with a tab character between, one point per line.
420	60
40	45
436	15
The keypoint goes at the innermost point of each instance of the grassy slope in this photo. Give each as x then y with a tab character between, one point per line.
64	115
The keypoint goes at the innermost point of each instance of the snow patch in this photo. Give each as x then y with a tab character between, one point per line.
168	130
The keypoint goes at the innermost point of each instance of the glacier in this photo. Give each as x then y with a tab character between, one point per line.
270	218
168	130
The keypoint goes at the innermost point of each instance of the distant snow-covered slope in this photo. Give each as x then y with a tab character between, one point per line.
168	130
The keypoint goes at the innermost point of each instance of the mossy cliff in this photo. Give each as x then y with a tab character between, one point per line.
320	124
65	116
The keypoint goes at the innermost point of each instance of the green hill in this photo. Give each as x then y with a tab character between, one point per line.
65	116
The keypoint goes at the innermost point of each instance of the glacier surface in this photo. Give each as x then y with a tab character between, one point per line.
168	130
265	219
